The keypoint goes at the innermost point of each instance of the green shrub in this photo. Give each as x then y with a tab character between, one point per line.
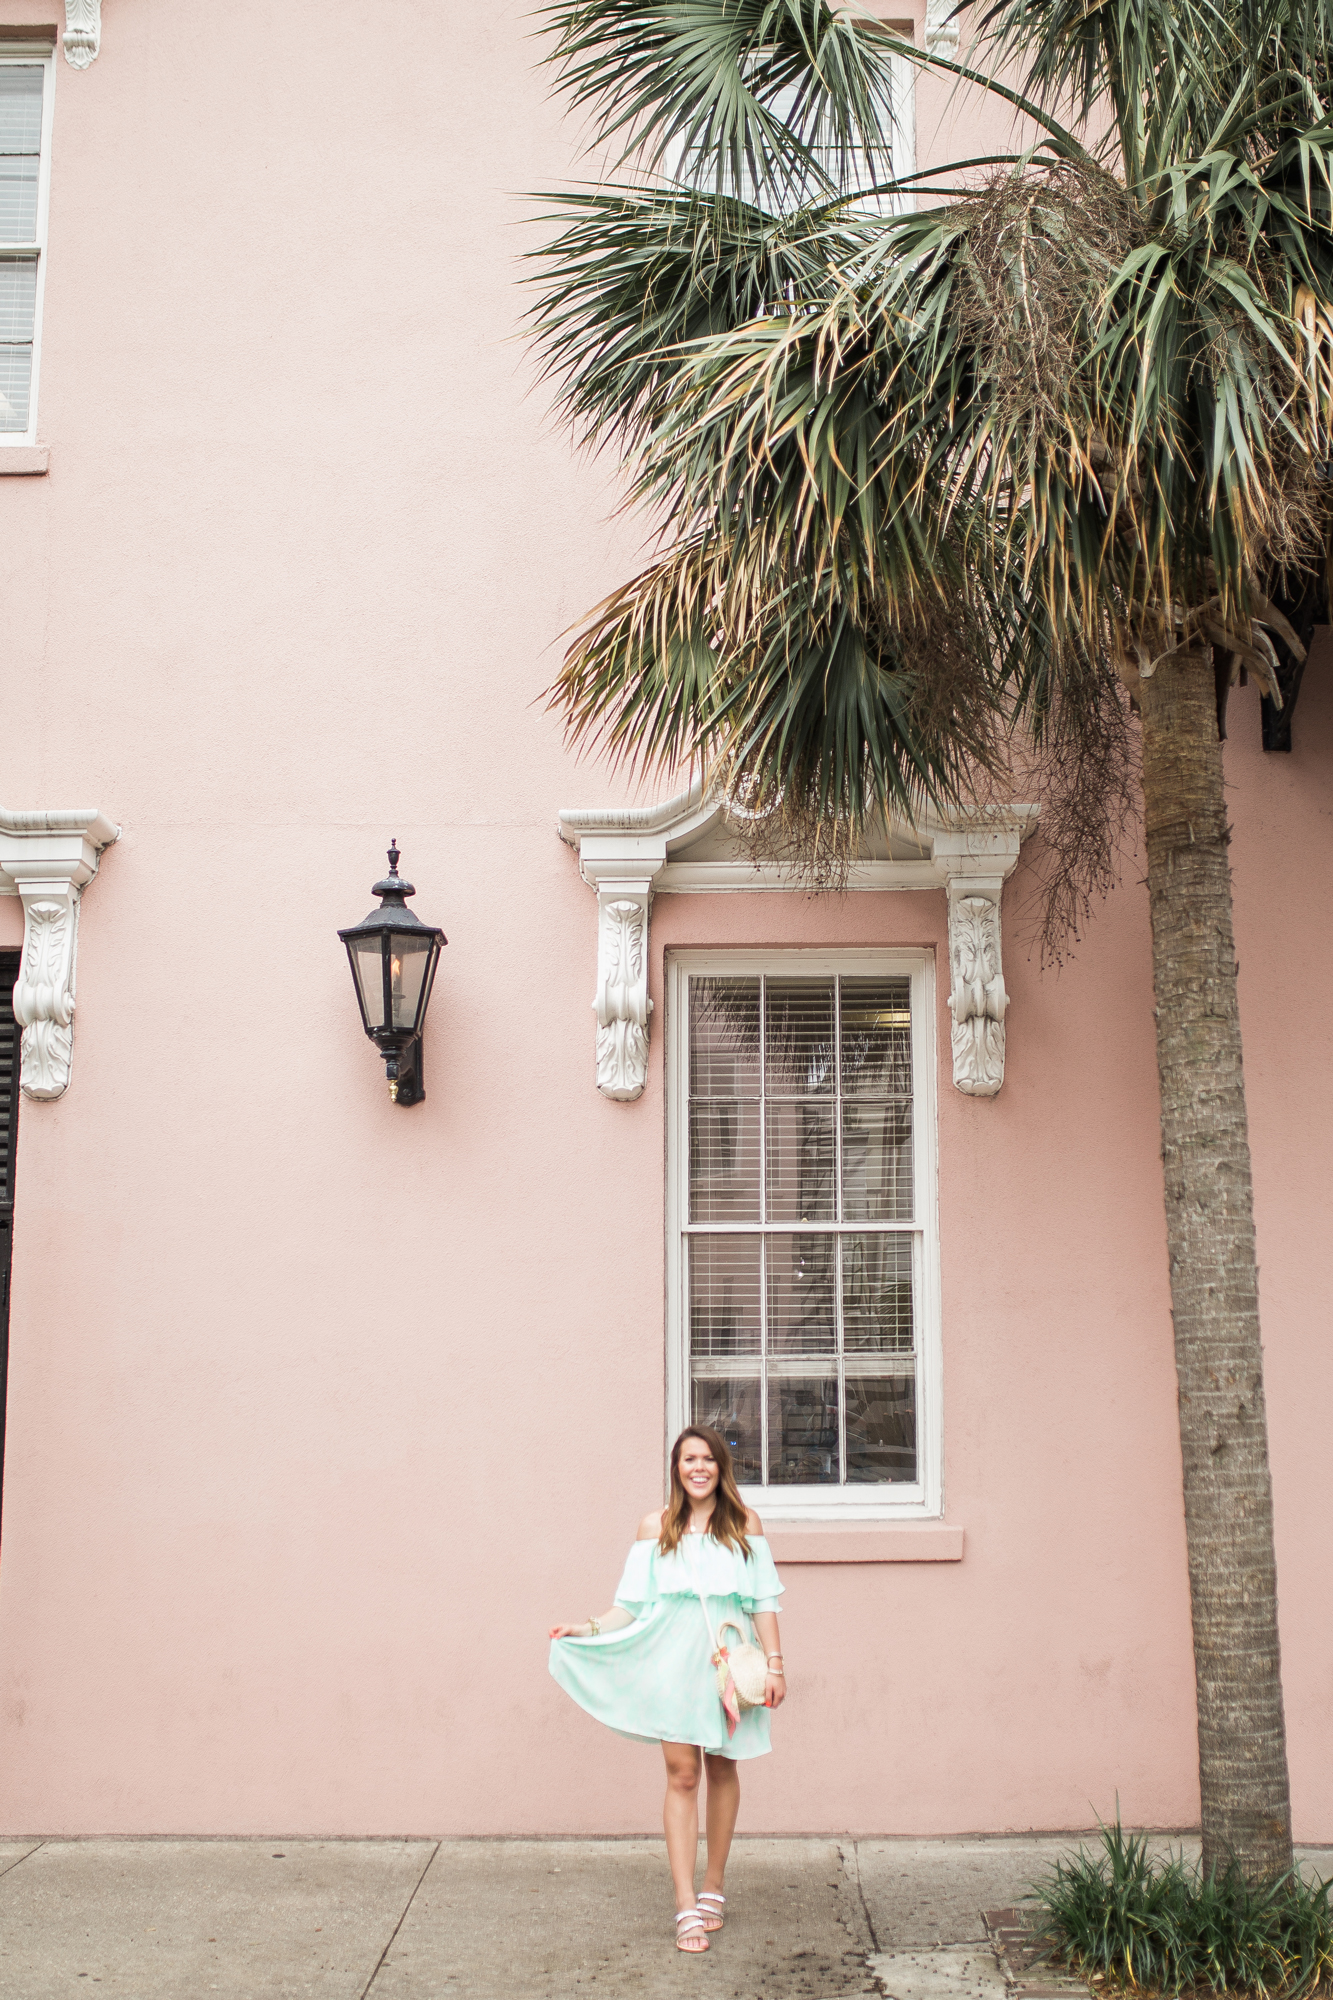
1166	1926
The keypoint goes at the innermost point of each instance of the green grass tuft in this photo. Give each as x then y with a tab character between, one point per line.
1164	1926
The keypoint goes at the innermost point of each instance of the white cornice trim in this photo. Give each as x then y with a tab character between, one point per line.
87	821
48	859
629	854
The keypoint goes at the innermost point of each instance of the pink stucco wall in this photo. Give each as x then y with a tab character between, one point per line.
320	1411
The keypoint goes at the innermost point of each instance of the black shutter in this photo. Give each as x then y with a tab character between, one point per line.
9	1120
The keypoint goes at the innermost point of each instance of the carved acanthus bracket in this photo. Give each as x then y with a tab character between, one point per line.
83	32
622	1004
49	859
941	31
977	999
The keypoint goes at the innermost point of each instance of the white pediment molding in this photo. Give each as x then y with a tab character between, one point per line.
48	859
684	846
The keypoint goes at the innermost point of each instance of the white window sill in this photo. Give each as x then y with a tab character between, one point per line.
904	1542
24	459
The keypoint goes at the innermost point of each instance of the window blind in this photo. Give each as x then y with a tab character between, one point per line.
21	99
802	1241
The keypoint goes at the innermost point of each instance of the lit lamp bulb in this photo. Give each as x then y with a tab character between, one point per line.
395	999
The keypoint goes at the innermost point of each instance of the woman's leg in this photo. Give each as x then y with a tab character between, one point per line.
680	1820
724	1802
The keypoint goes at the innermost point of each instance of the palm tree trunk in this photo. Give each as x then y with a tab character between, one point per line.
1246	1807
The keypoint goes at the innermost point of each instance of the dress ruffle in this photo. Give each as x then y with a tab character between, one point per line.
720	1571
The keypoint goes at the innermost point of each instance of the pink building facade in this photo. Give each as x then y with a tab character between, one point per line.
321	1408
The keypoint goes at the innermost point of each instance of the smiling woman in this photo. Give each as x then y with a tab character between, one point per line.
657	1667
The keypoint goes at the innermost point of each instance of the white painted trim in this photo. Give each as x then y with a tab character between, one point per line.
942	33
83	32
628	855
48	859
25	55
924	1500
904	74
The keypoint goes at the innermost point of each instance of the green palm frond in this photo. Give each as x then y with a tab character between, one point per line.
754	98
639	276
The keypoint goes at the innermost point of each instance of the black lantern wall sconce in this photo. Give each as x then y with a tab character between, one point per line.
393	957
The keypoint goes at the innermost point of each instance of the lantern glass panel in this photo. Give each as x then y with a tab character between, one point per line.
368	965
409	961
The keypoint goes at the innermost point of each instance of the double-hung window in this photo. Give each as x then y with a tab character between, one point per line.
26	93
802	1262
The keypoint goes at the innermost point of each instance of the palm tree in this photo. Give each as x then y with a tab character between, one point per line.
961	471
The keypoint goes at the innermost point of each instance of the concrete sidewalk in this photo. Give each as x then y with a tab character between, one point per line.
505	1919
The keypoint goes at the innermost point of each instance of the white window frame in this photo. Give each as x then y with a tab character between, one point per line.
923	1500
26	55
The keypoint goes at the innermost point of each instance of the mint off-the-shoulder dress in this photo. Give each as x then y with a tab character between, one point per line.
654	1680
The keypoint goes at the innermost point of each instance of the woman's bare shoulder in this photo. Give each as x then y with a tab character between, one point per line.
650	1527
753	1524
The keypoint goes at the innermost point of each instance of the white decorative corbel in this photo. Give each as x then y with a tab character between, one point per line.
683	846
83	32
976	859
48	859
941	30
621	856
977	999
622	1004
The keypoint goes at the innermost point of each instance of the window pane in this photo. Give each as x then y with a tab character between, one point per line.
730	1404
18	200
803	1430
800	1160
881	1428
15	386
724	1294
877	1162
369	970
408	960
724	1160
800	1294
724	1038
877	1294
18	297
876	1038
20	108
798	1037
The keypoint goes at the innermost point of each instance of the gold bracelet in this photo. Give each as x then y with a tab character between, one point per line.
594	1629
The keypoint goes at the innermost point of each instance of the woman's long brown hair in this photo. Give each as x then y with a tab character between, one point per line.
727	1523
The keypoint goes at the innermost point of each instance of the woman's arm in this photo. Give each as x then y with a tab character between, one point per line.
775	1687
613	1620
766	1625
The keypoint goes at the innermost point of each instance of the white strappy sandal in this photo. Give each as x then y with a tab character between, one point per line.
694	1926
711	1915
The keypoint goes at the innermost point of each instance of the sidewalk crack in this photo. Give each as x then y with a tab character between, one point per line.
865	1907
379	1963
23	1857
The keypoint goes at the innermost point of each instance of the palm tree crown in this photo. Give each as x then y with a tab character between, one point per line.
1082	390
